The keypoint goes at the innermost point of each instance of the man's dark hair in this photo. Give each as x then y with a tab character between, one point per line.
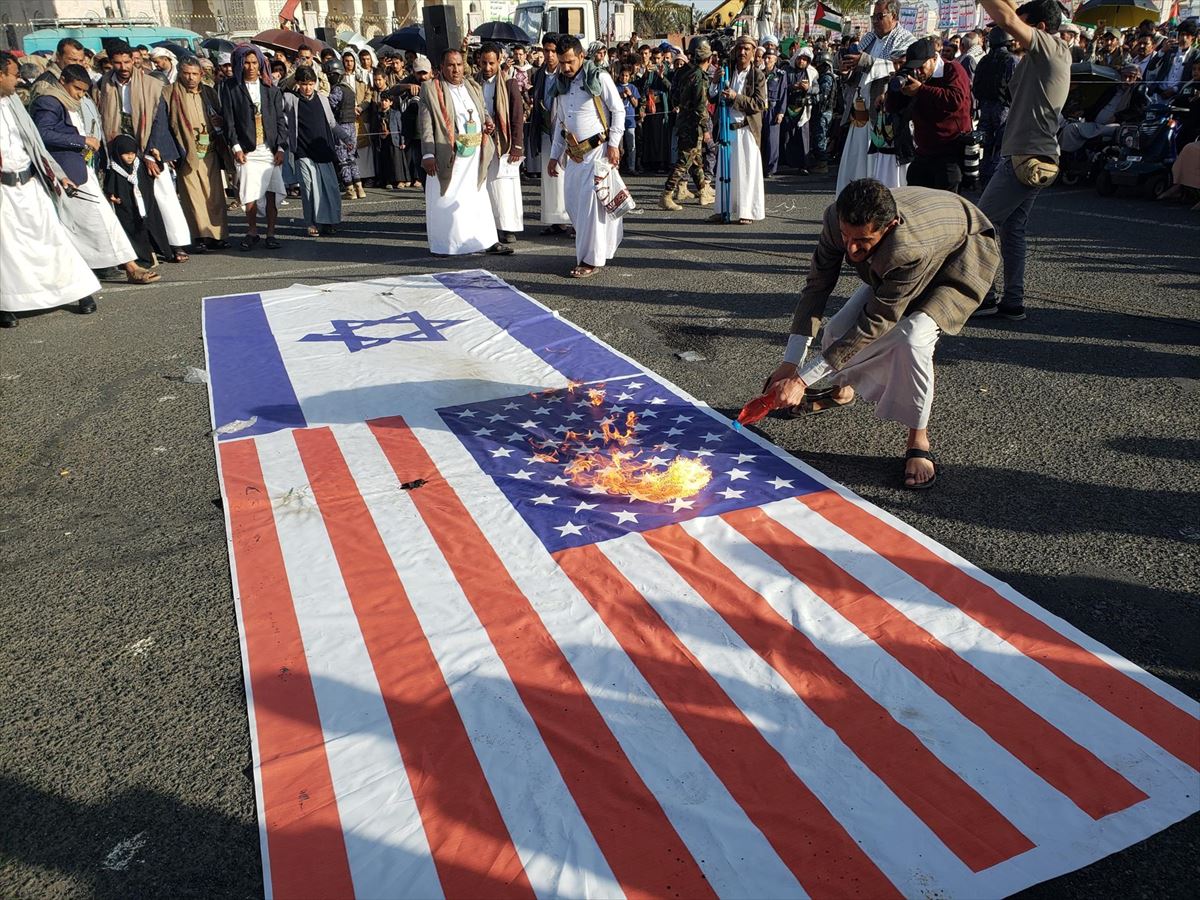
1036	12
65	43
490	47
570	42
143	48
866	202
449	51
119	49
5	59
305	74
550	40
75	72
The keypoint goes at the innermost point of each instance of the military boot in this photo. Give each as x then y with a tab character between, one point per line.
682	194
707	195
668	202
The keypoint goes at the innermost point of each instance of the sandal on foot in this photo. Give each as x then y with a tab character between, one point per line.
249	242
917	453
584	271
313	231
178	257
272	243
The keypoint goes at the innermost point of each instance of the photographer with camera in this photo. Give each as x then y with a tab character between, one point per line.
1029	154
937	94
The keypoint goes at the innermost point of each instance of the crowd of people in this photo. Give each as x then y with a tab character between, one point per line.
132	157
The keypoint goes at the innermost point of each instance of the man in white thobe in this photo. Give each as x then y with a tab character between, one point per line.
866	75
39	265
589	123
456	152
746	96
541	126
502	102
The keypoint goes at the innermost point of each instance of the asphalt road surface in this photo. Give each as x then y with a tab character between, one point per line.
1070	467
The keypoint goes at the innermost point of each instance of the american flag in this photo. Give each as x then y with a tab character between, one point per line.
471	675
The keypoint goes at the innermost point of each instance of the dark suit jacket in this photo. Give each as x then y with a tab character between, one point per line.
539	119
940	260
60	136
238	112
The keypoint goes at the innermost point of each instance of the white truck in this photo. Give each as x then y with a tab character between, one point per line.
540	17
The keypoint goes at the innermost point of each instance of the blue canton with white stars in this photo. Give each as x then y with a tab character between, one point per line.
507	436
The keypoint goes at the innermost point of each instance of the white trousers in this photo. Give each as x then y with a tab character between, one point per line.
597	234
39	265
167	197
507	204
747	198
554	206
94	228
895	372
461	221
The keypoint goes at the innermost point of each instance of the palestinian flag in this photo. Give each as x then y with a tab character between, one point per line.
827	17
1173	19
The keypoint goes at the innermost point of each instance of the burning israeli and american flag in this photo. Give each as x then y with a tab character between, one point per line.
521	618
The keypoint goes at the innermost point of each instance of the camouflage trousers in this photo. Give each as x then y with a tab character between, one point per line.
690	161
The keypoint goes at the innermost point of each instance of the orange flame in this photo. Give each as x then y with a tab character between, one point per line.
622	474
621	438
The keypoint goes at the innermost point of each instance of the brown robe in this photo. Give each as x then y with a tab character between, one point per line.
201	190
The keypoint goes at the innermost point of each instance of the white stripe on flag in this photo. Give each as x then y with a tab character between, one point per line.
1119	745
884	826
563	860
732	852
1001	779
1062	626
385	841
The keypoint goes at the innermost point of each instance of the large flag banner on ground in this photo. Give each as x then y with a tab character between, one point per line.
520	618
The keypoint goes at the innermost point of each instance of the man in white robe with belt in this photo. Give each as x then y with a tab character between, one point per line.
502	102
456	151
39	265
589	123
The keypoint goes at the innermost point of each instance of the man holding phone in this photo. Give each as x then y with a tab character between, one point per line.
937	93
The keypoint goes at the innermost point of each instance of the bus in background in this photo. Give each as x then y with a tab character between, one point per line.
93	32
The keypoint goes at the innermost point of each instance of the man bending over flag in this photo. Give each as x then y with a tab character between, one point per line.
454	123
589	120
927	258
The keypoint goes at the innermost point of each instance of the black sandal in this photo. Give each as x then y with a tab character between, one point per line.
917	453
272	243
249	242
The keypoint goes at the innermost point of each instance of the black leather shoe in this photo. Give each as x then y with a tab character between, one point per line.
7	319
87	306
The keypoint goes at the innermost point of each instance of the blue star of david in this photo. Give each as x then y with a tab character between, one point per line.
346	331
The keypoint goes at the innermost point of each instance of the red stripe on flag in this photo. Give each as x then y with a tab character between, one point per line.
305	848
646	854
1070	768
1173	729
966	823
471	846
810	841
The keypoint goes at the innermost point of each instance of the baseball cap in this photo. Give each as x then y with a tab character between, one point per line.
422	64
918	53
1110	32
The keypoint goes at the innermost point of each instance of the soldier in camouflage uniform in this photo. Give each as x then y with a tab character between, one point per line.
689	94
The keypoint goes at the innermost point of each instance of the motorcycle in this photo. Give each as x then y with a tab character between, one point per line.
1143	153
